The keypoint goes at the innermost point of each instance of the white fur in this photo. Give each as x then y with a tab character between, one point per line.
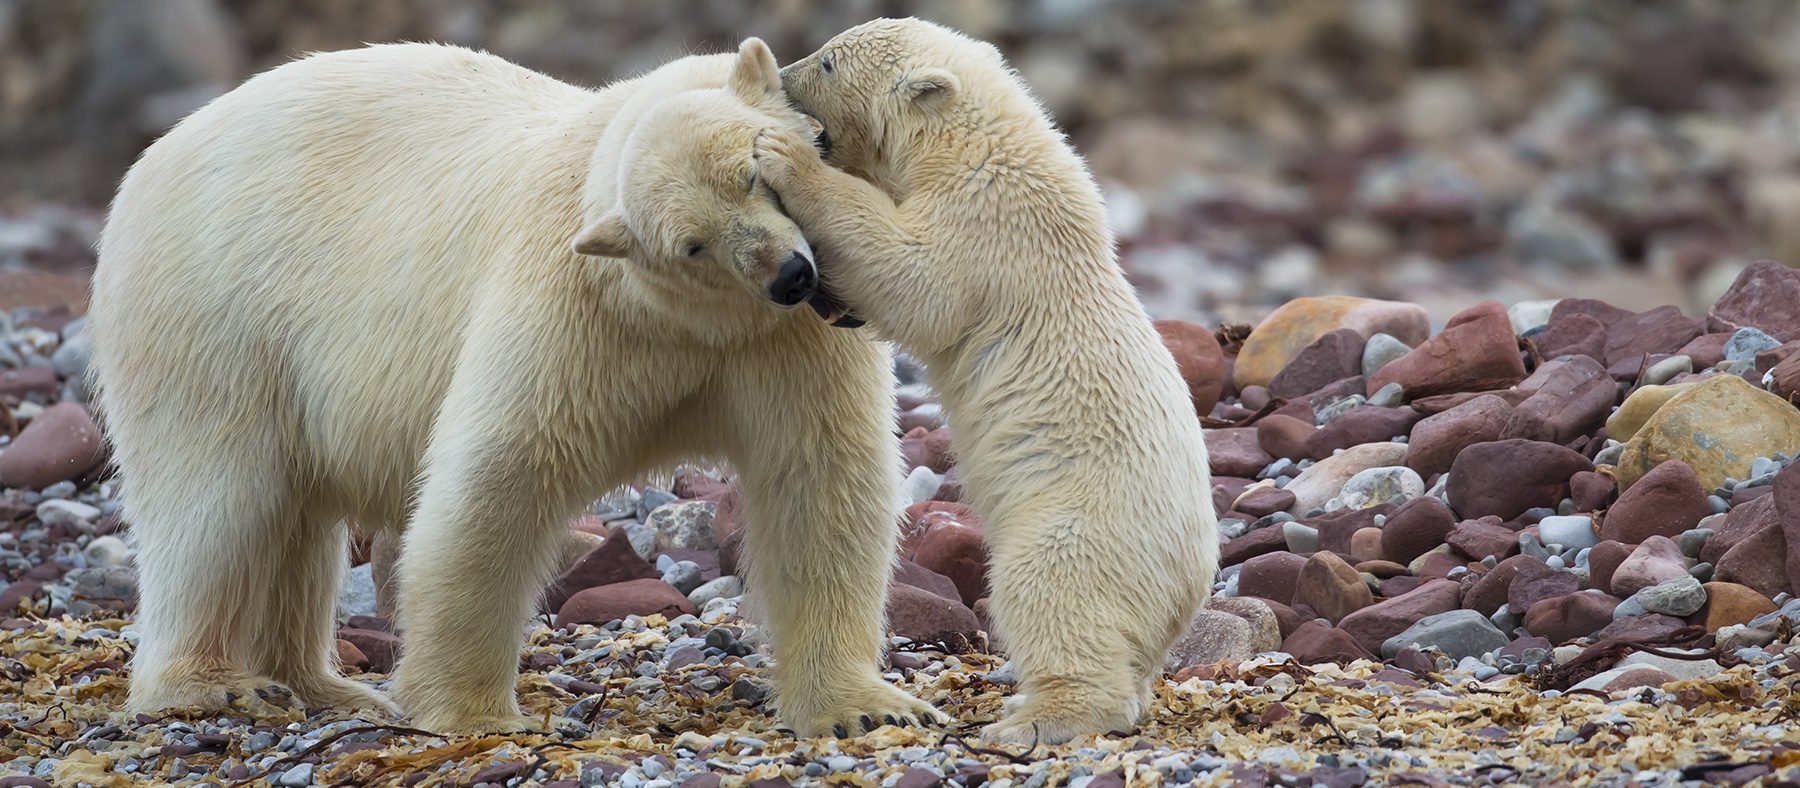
977	239
346	290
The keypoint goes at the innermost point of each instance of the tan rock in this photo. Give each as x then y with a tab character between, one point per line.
1296	324
1718	426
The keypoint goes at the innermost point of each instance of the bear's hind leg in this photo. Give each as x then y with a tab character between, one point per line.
294	640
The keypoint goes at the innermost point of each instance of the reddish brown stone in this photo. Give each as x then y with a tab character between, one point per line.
1335	356
1665	502
1359	425
1316	642
1437	440
1373	625
1568	617
1198	358
1415	528
1476	351
1505	478
1272	576
1234	451
1767	296
602	604
1283	436
1331	587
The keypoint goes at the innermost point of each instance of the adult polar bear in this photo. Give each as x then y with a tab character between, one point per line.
346	289
978	242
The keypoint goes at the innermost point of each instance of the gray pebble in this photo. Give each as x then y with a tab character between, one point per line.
1379	350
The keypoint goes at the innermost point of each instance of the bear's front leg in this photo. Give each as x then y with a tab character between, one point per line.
484	538
815	449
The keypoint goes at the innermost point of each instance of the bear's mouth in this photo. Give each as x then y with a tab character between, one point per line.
830	309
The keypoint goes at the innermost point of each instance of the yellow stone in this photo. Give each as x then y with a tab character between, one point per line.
1718	426
1638	408
1297	323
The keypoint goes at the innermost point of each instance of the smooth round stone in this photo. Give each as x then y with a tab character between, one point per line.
1568	530
1693	540
1379	350
1300	538
1388	396
1747	342
1663	371
1376	486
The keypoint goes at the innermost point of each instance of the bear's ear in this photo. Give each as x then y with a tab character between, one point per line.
606	236
756	75
929	87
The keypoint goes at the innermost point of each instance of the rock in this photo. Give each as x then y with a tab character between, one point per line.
1658	331
1262	541
1326	479
1679	668
1717	426
684	525
1677	596
1705	350
28	382
1457	633
1604	560
1283	436
926	617
1476	351
1665	502
1437	440
1574	335
1568	617
1647	627
1656	560
1732	603
1505	478
1572	400
1527	315
351	657
1491	590
1623	679
1415	528
614	561
683	575
1199	359
1330	587
1336	528
106	551
601	604
721	587
1265	622
1316	642
925	448
1784	379
1273	576
378	649
1746	342
1376	486
1536	582
1335	356
1667	369
1296	324
1232	451
60	444
1373	625
1213	636
1264	501
1591	491
1570	531
104	582
955	550
1379	350
920	485
73	516
1758	561
1767	296
1359	425
1637	409
1225	492
1481	539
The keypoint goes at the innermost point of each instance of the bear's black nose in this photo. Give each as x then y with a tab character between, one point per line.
795	282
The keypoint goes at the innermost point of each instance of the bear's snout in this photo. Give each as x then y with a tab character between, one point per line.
795	282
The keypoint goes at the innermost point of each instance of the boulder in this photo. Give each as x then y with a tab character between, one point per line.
1335	356
1476	351
1296	324
1665	502
1197	357
1717	426
1437	439
1506	477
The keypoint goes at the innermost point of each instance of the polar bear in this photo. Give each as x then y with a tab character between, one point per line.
976	239
417	284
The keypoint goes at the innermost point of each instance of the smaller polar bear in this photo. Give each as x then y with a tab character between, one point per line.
415	284
976	238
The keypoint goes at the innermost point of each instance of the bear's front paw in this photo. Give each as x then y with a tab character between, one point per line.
783	158
868	710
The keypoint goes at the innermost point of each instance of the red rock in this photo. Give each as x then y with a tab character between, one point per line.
1234	451
909	573
1359	425
646	597
1732	603
1591	491
1331	587
928	448
1199	359
1665	502
1656	560
1767	296
728	526
1739	524
1569	617
950	489
1335	356
1604	312
1414	529
1575	335
1432	406
1493	588
1662	330
17	384
1382	569
614	561
1316	642
1479	539
1706	350
1604	561
1787	504
1437	440
1283	436
1260	542
378	649
1637	677
1785	379
1437	566
1336	528
61	444
1272	576
19	591
1758	561
1400	585
1476	351
1538	582
923	616
1573	399
957	551
919	518
1264	501
1376	623
1226	490
1504	478
1365	547
351	657
1649	627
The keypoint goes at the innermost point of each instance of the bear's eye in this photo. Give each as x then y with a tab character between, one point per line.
696	249
825	63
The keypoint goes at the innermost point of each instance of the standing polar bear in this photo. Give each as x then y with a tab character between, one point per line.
419	284
978	241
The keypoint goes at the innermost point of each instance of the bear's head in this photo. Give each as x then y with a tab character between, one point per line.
881	86
688	199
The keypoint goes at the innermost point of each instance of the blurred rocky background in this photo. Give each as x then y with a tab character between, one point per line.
1434	152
